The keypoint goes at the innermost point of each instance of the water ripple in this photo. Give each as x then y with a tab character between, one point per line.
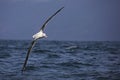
60	60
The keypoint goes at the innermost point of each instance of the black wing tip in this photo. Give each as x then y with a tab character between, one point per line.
23	69
62	8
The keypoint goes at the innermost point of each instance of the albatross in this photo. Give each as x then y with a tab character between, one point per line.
37	36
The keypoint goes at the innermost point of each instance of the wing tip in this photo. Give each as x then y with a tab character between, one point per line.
62	8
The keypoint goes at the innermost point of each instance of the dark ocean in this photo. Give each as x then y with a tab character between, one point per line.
60	60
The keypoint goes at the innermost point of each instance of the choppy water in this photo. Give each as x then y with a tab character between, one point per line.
60	60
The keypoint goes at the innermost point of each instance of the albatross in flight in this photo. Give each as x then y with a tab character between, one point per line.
37	36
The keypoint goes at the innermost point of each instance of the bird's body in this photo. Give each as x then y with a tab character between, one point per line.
37	36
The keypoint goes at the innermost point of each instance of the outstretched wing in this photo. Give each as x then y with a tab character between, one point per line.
29	50
50	18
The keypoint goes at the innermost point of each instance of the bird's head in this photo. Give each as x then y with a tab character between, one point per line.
44	35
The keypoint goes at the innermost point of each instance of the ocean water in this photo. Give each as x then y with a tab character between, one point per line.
60	60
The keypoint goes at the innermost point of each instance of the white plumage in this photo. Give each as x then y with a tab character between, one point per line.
38	35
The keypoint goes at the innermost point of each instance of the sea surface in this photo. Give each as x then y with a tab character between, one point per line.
60	60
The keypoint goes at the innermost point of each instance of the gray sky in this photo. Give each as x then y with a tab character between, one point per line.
82	20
